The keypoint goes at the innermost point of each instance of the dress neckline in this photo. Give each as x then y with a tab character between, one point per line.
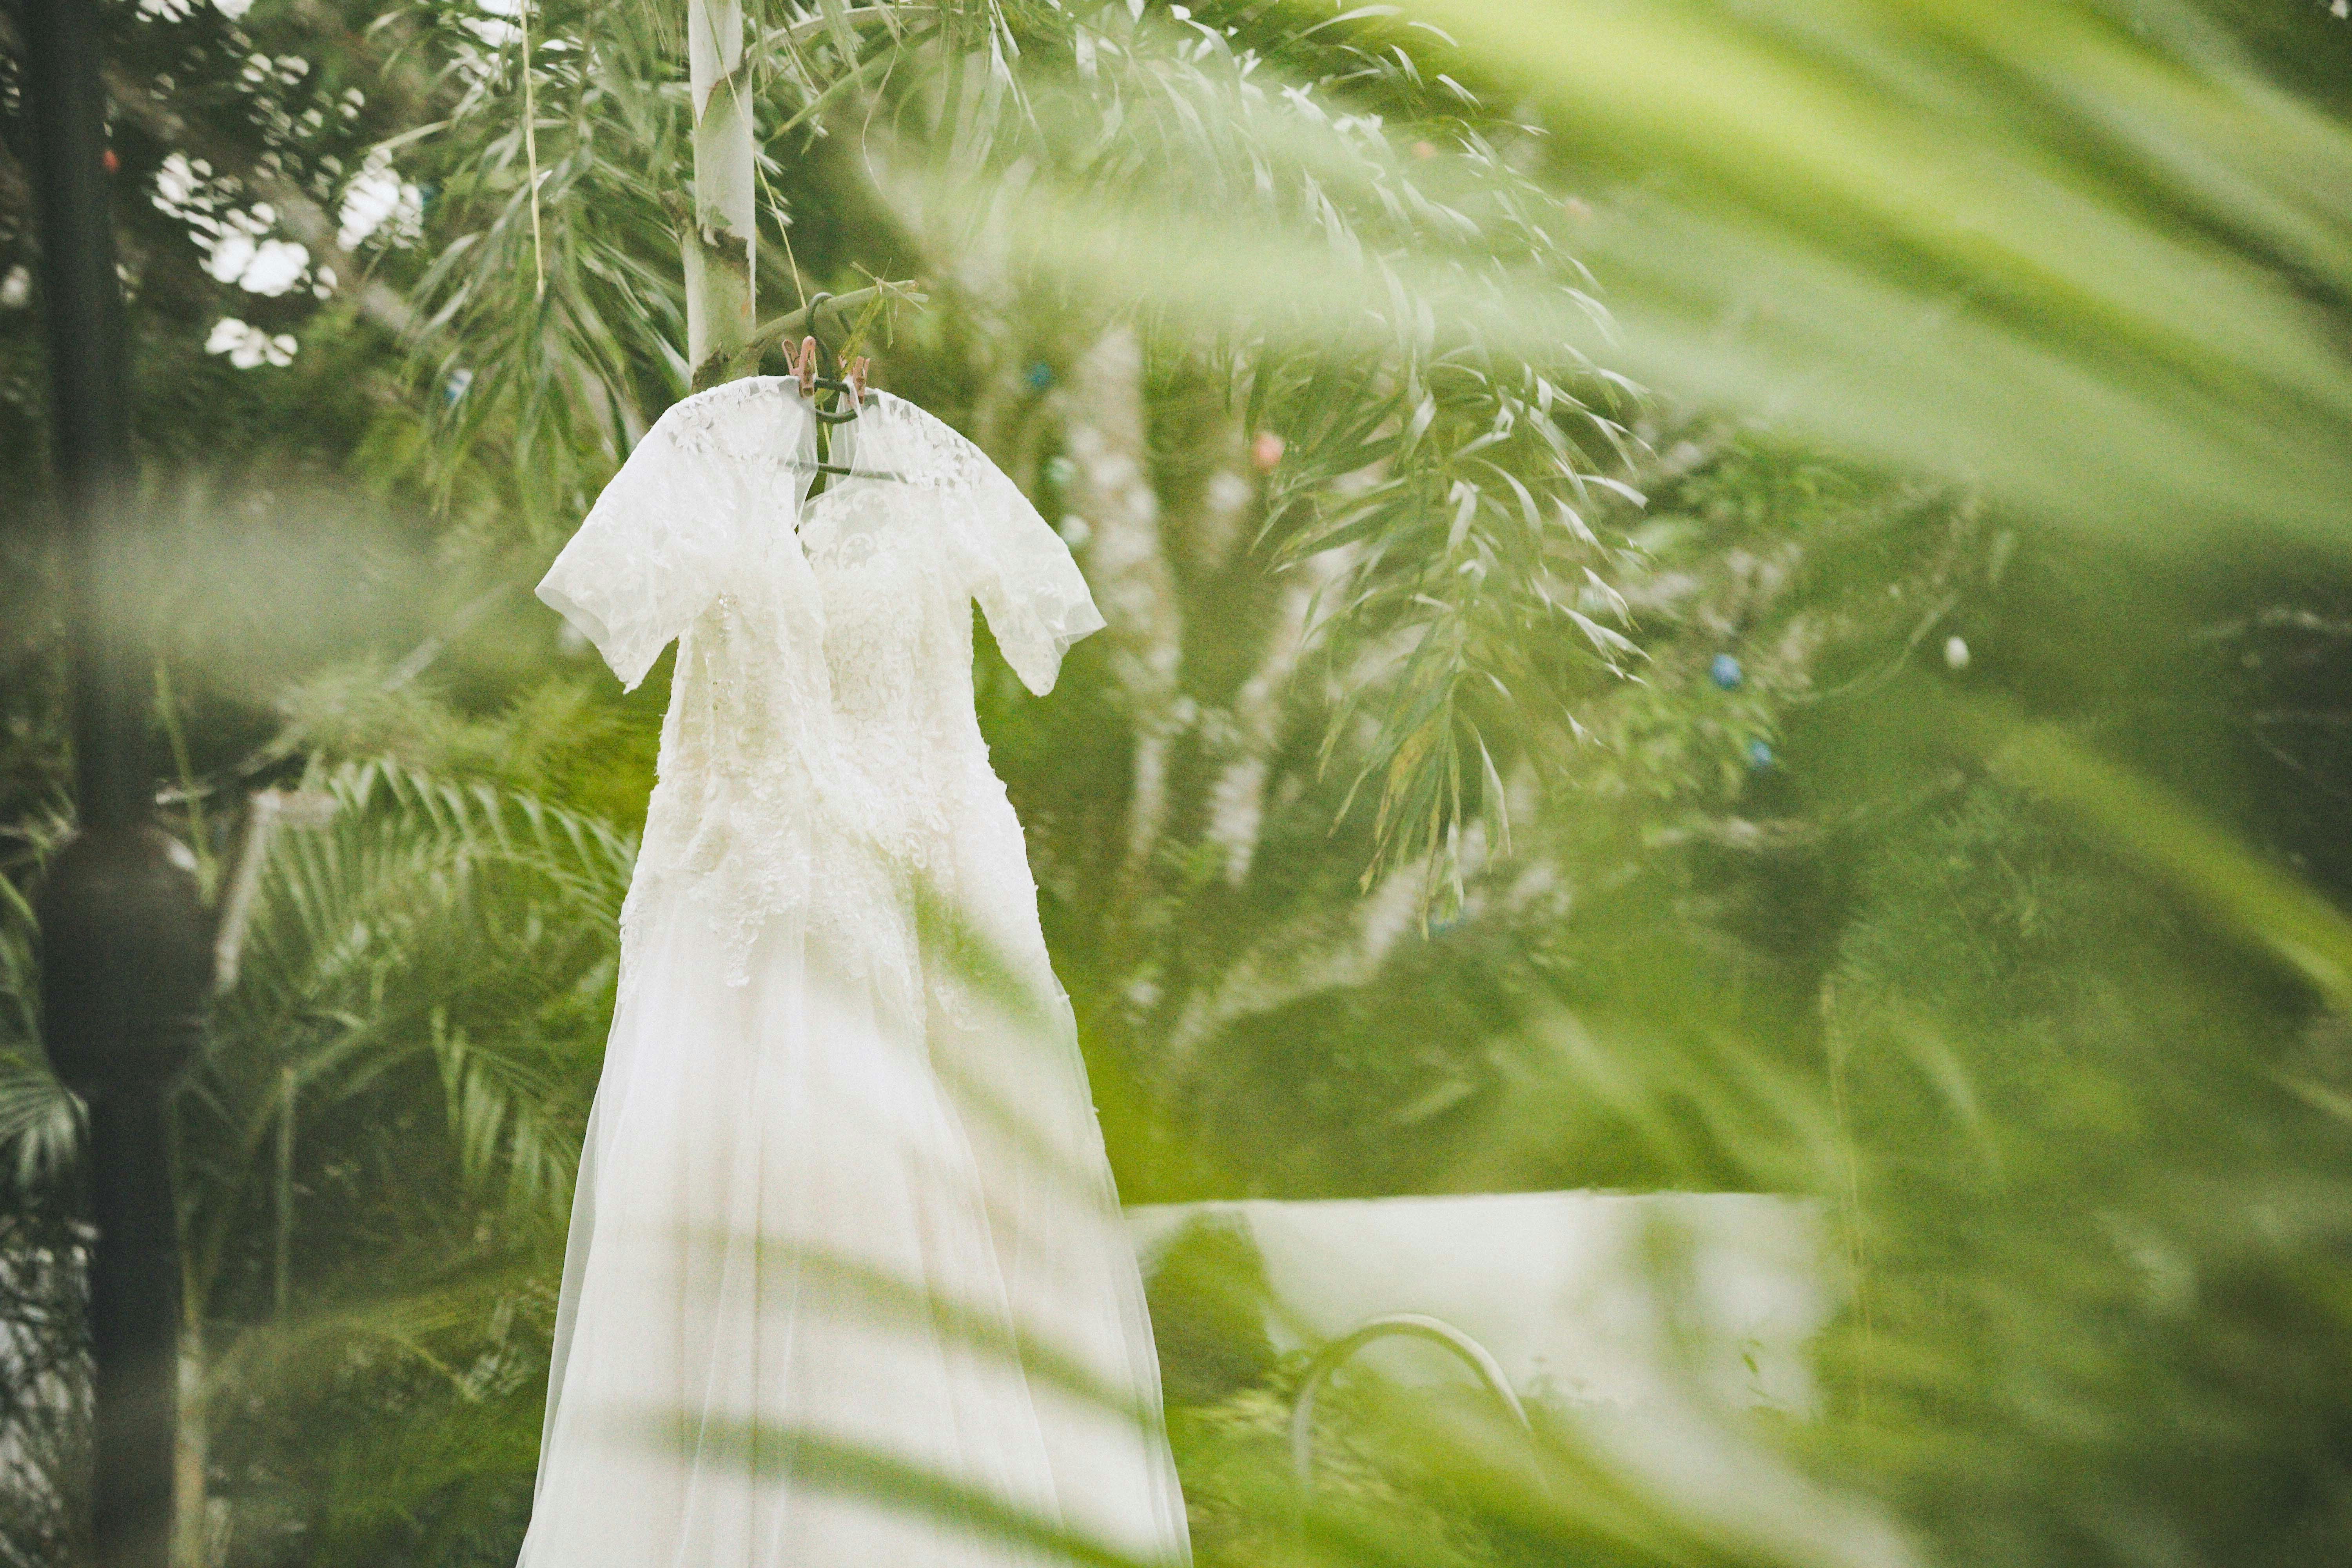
840	484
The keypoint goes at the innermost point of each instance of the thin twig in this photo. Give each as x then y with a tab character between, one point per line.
531	156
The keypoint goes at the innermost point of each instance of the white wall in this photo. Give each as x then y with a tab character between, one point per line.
1554	1284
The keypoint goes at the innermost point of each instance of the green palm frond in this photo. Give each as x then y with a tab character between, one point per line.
437	1312
462	930
571	370
39	1118
1359	199
2080	254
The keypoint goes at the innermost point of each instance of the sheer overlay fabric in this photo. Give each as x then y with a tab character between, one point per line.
846	1284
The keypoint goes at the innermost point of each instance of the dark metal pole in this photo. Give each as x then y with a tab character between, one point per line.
125	963
89	402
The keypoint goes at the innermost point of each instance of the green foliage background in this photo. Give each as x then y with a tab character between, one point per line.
1440	394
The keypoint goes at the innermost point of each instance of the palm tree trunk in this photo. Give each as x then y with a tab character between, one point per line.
1109	440
192	1531
718	244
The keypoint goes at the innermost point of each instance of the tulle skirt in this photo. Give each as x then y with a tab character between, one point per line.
846	1284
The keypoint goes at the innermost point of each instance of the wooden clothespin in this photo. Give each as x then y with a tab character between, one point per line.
804	368
856	379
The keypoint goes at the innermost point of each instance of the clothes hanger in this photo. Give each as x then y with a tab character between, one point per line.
807	367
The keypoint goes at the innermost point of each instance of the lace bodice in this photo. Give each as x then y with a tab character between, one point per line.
819	737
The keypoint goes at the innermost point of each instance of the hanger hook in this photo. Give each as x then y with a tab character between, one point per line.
818	301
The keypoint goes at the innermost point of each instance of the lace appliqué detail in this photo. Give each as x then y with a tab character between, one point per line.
712	423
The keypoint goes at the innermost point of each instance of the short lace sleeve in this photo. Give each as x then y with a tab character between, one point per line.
650	555
1028	586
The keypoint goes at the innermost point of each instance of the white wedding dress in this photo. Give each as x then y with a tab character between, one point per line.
846	1284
